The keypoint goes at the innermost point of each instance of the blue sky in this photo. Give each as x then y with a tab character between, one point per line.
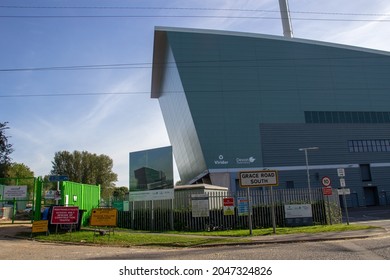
108	109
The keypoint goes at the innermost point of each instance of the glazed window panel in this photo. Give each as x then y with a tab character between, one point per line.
372	145
346	117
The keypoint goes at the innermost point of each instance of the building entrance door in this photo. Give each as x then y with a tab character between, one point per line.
371	196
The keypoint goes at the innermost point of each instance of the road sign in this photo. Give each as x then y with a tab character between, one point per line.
261	178
326	182
340	172
342	182
327	191
58	178
344	191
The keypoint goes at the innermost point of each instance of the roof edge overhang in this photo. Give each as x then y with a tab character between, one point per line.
161	45
271	37
159	54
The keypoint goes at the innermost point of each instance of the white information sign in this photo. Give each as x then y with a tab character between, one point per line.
297	211
15	192
163	194
341	172
200	205
344	191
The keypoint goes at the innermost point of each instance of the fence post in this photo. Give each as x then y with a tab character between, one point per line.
171	215
14	210
38	198
273	210
249	211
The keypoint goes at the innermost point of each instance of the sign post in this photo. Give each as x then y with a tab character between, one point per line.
327	191
261	178
341	174
58	179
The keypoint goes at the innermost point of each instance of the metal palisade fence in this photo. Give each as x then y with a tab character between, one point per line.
222	210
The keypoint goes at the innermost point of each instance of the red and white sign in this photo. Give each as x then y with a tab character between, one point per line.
228	201
327	191
326	182
228	206
64	215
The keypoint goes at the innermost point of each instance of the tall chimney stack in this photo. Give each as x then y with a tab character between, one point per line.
286	20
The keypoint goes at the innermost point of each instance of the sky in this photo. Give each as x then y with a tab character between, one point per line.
76	75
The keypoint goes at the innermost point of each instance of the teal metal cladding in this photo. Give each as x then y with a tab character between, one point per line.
227	84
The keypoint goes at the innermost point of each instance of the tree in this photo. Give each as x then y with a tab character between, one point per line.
5	150
21	171
86	168
120	193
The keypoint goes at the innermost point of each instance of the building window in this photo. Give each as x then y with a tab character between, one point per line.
362	146
346	117
365	172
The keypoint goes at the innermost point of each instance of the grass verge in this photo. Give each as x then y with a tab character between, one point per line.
126	238
282	230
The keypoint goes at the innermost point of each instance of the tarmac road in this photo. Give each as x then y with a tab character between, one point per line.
361	245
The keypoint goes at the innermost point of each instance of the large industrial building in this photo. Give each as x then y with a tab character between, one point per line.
234	102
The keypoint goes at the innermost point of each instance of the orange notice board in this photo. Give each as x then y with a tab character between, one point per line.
104	217
40	226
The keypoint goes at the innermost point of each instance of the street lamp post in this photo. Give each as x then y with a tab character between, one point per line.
307	168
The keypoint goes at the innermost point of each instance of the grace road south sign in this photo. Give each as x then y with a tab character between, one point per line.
263	178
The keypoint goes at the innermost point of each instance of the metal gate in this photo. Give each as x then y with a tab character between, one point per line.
20	199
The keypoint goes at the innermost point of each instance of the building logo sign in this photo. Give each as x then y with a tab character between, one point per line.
221	161
249	160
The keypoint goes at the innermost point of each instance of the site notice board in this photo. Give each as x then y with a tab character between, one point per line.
106	217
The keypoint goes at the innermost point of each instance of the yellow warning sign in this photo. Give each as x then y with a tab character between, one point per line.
40	226
105	217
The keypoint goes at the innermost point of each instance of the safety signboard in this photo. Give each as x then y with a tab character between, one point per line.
228	206
327	191
62	215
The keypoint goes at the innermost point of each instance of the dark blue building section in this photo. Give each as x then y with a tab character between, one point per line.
238	101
